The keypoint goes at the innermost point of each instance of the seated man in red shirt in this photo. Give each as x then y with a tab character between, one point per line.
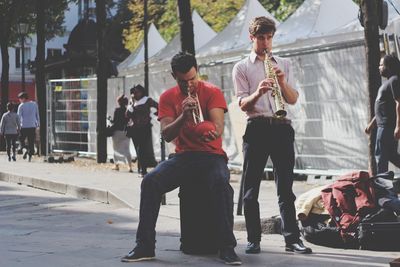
198	151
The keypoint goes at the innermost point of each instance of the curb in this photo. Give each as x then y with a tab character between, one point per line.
268	225
67	189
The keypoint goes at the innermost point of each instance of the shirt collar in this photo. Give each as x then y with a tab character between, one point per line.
253	57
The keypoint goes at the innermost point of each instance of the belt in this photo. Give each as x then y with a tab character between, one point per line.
270	120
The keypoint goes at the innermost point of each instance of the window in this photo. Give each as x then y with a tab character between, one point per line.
18	56
51	52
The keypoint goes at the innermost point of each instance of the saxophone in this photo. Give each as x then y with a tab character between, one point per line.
280	112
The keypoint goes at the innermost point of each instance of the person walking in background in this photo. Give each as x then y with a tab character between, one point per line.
120	141
139	127
267	134
387	115
199	155
28	113
10	127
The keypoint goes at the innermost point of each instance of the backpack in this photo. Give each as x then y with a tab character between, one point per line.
348	200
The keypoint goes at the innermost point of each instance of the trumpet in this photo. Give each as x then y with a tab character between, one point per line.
196	113
280	112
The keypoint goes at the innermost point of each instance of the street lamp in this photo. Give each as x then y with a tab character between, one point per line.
23	30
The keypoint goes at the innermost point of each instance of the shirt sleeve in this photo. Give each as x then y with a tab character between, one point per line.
2	125
396	88
217	100
240	83
37	116
289	73
165	107
18	121
19	111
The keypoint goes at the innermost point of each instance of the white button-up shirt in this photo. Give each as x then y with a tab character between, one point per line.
248	73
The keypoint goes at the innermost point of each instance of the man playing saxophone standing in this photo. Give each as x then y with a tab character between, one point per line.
267	135
199	155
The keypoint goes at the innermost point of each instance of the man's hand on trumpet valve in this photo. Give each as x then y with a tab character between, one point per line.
188	105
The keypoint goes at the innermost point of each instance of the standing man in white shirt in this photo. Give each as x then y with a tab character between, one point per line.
28	113
268	133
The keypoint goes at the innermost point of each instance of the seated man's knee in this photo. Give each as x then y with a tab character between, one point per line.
149	182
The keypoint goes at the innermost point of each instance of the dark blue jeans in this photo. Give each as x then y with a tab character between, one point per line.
386	149
11	144
169	175
28	133
261	141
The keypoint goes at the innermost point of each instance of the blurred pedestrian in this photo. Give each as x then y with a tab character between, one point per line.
10	127
139	127
28	113
387	115
120	141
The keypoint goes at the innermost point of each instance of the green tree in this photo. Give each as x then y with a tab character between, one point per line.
163	13
14	11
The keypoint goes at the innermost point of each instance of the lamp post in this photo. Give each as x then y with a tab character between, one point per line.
23	30
146	47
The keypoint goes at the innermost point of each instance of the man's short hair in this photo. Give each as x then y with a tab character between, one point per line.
392	63
262	25
183	62
23	95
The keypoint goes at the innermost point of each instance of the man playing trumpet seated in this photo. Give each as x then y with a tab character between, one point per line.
199	155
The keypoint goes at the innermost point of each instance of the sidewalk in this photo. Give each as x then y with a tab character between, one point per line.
87	179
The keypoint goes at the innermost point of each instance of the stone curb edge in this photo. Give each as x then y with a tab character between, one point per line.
67	189
269	226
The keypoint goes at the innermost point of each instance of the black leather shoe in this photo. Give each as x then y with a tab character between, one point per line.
253	248
139	254
298	247
229	256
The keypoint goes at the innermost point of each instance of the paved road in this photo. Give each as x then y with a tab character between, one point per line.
40	228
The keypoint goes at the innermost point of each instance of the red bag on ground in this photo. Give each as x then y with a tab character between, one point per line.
348	200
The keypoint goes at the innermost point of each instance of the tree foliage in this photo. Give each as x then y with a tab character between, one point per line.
163	13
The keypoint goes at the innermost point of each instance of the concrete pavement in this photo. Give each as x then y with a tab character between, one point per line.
86	179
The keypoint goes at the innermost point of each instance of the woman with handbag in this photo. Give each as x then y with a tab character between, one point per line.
119	139
139	127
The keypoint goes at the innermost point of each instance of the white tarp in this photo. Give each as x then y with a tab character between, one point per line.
156	43
202	34
316	18
235	36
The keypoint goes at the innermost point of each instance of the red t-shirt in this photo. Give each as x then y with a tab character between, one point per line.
170	105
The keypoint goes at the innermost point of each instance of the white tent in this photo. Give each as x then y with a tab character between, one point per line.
156	43
202	34
315	18
235	36
350	33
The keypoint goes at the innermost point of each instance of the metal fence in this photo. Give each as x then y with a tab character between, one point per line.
72	115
